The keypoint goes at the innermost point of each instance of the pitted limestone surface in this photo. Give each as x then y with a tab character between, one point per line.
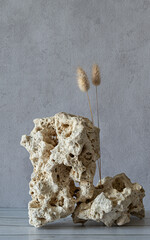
63	150
113	202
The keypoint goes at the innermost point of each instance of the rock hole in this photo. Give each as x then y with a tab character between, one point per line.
53	202
65	125
42	219
118	184
38	129
77	184
88	200
71	155
68	134
58	178
88	153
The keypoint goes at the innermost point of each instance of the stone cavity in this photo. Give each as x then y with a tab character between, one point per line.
63	150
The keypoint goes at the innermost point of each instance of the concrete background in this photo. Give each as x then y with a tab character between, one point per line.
41	44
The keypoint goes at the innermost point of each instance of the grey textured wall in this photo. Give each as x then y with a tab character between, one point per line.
41	44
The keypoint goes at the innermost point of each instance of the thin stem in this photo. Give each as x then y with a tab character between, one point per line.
99	170
90	107
97	107
99	160
100	165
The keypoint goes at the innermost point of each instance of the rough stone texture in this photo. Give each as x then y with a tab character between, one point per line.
63	151
113	202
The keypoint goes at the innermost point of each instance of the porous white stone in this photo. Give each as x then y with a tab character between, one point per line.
113	202
63	150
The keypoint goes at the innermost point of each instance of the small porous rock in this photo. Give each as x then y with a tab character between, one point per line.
113	202
63	150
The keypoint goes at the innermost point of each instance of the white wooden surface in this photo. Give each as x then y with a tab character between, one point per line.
14	225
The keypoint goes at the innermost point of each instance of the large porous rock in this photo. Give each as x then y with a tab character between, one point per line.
113	202
63	150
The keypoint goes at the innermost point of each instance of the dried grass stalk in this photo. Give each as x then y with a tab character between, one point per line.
83	81
96	80
84	85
